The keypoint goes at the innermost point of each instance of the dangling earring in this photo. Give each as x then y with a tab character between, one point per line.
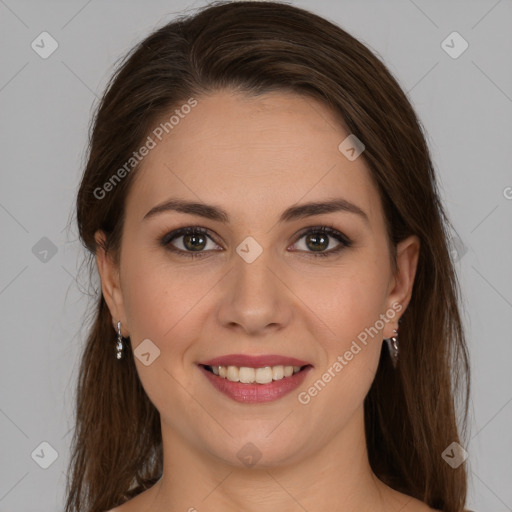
119	345
393	348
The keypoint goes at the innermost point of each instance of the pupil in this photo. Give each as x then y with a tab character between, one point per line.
315	239
194	238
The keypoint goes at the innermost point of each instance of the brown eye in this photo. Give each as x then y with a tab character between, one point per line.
318	240
194	240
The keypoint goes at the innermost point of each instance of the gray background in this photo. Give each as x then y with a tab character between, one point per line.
465	104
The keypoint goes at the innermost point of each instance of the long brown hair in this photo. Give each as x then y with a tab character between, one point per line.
258	47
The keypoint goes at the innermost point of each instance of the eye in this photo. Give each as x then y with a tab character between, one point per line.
317	238
195	239
193	243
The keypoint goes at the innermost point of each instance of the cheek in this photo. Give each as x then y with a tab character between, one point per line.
350	358
161	305
162	301
349	300
351	304
145	297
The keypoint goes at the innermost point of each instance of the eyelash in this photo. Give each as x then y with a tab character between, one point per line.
165	241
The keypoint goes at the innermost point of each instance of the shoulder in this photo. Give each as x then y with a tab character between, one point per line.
414	505
406	503
125	507
136	504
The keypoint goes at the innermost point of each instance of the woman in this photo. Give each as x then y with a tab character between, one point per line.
263	212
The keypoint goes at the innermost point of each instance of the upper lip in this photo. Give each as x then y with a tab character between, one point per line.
254	361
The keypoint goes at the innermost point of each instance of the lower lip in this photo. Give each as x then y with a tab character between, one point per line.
257	393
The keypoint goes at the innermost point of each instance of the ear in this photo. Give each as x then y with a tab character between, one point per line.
401	285
110	282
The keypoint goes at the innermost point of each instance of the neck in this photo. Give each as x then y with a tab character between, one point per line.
337	477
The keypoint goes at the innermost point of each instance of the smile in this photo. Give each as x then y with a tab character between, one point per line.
247	375
255	385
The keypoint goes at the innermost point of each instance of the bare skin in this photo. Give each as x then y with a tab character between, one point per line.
255	157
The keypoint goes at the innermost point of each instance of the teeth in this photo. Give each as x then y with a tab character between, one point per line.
277	372
247	375
233	374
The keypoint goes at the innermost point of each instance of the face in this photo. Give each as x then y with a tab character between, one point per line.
254	283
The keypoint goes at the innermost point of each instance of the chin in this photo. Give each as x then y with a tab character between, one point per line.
260	451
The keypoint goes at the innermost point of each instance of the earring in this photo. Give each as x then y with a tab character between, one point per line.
119	345
393	348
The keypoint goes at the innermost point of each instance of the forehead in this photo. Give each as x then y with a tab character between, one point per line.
252	155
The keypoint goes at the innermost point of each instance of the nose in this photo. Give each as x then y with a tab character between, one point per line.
254	296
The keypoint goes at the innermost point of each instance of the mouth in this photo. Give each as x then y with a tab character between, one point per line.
253	385
250	375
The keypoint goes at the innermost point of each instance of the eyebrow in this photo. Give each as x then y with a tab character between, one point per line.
290	214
